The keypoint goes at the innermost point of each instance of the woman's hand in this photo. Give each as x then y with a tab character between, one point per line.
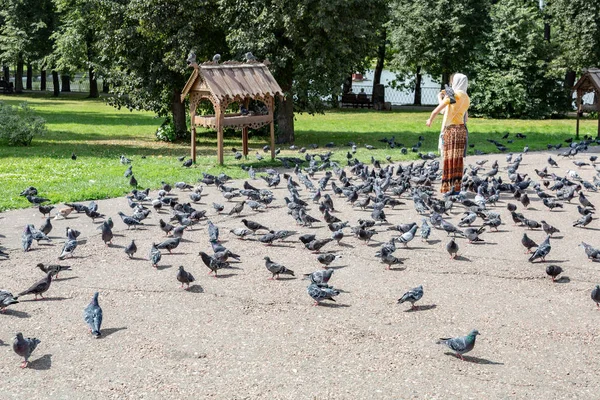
429	121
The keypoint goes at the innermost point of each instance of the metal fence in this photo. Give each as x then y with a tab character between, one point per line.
78	84
398	97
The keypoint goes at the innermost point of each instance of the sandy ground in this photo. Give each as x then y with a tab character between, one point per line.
243	336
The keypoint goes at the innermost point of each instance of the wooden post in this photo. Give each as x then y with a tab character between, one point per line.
193	147
598	110
272	126
245	141
219	111
578	112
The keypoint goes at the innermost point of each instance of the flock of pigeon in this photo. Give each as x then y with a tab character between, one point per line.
367	188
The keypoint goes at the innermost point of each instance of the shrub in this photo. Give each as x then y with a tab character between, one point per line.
167	132
18	125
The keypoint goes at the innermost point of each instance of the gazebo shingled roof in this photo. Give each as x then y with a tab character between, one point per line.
589	82
223	84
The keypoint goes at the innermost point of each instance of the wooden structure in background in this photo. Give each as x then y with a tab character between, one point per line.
227	83
589	82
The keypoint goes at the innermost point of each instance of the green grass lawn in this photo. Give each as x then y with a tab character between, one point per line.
99	134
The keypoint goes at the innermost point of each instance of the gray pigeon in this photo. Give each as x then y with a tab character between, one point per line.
472	234
241	232
92	315
389	259
154	255
70	244
38	235
528	243
320	277
169	244
408	236
46	227
596	295
129	221
27	238
24	347
328	258
53	269
39	287
184	277
412	296
549	229
212	263
553	271
7	299
542	250
583	221
425	229
460	345
452	248
213	232
131	249
320	294
276	269
107	234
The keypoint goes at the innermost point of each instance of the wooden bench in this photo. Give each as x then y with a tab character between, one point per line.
357	100
7	87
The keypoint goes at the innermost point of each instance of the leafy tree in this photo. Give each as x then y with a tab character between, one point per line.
144	48
312	46
437	36
576	31
514	79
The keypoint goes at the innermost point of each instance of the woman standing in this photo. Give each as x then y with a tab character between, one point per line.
455	133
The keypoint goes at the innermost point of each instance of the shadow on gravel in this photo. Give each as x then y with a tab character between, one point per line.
196	289
65	279
15	313
161	267
110	331
563	279
462	258
42	363
333	305
475	360
421	308
45	299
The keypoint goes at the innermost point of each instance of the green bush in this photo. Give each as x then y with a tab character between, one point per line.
18	125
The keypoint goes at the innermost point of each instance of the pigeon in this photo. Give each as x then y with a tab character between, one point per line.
218	207
129	221
70	244
317	244
45	210
596	295
46	227
553	271
132	181
169	244
124	160
460	345
412	296
241	232
53	269
365	235
213	232
254	226
39	287
406	237
107	234
328	258
583	221
542	250
320	277
212	263
237	209
24	347
320	294
452	248
584	201
276	269
549	229
425	229
36	200
472	234
187	163
528	243
131	249
154	255
27	238
338	236
7	299
184	277
92	315
37	235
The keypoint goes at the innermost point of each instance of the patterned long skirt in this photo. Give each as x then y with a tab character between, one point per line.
455	141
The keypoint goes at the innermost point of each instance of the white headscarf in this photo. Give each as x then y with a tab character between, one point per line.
460	83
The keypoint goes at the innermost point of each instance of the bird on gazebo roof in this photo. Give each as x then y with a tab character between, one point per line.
216	58
250	57
191	58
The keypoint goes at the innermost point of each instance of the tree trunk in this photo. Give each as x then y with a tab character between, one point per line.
285	119
43	80
19	77
55	83
93	84
347	86
6	70
445	79
380	59
29	83
418	79
105	87
178	111
570	79
66	82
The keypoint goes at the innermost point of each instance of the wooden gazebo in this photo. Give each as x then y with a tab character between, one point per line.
589	82
227	83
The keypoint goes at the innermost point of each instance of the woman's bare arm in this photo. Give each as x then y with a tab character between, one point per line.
435	112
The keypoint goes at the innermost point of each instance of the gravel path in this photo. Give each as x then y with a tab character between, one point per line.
243	336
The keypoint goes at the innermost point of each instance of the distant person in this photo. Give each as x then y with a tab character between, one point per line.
455	132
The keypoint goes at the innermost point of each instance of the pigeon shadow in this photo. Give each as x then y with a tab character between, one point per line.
556	237
46	299
591	229
396	269
334	305
137	258
116	246
15	313
346	245
42	363
225	276
462	258
285	278
337	267
281	245
421	308
500	231
436	241
161	267
65	279
476	360
563	279
173	254
552	261
196	289
110	331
